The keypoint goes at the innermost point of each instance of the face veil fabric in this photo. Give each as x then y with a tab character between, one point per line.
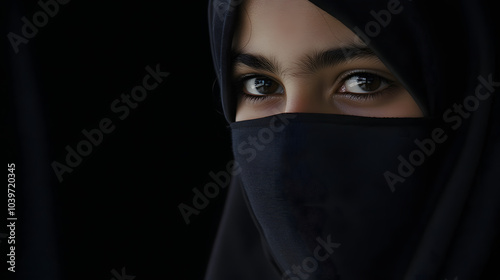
318	196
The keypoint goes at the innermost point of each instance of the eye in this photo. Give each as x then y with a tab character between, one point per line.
364	83
260	86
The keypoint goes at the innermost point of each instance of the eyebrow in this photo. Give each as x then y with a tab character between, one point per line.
309	63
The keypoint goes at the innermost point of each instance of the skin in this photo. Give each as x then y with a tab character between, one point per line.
287	34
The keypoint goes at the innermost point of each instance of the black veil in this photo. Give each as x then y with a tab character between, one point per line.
442	221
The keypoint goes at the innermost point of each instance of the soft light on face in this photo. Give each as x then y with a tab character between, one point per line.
290	56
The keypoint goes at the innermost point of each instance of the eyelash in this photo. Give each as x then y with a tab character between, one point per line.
254	98
389	89
238	85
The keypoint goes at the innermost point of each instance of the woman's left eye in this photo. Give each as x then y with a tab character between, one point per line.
364	83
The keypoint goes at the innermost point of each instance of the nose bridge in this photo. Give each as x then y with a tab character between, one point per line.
306	98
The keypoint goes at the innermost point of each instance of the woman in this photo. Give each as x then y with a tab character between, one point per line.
365	138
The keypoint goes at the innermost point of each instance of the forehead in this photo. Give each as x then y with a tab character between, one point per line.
287	28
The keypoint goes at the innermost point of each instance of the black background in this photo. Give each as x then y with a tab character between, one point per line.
119	207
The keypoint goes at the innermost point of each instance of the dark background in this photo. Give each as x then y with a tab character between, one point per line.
119	207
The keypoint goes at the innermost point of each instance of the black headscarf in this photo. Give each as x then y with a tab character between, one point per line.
318	196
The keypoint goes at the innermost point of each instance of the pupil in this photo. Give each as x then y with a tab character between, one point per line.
368	82
263	85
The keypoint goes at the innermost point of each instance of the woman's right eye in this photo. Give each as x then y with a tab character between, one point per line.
259	86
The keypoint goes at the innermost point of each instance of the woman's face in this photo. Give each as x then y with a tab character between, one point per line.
290	56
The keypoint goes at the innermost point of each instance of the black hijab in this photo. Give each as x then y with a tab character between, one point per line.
317	196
